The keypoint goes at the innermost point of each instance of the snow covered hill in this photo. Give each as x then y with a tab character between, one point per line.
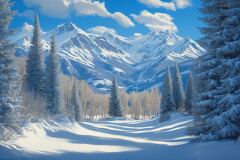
114	140
137	62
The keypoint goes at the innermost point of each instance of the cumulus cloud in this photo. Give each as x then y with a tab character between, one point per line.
156	21
183	3
137	35
55	8
122	19
172	5
27	28
86	7
101	29
64	8
159	4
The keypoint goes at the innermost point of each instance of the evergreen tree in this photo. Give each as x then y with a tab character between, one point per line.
54	99
208	71
9	78
35	76
114	104
217	105
75	102
226	122
189	94
178	92
167	104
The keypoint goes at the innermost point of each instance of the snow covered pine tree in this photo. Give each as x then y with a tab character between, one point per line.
9	78
54	99
35	76
178	92
114	104
217	109
167	104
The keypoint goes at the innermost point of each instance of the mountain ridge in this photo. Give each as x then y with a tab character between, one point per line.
133	61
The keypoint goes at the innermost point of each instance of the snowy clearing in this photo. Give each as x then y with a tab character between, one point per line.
115	140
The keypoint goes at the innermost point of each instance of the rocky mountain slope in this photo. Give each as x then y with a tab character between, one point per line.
138	63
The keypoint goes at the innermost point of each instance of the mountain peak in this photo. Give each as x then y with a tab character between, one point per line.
113	35
166	33
160	33
163	37
68	27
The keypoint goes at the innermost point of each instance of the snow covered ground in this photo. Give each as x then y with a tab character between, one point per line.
115	140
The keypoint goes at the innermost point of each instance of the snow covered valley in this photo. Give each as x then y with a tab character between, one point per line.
116	139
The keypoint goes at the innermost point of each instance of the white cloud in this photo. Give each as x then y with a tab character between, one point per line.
92	7
27	28
55	8
183	3
172	5
155	21
158	4
64	8
137	35
101	29
86	7
122	19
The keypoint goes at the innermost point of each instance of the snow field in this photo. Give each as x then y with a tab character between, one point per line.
115	139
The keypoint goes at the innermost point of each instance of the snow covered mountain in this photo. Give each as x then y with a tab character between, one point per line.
137	62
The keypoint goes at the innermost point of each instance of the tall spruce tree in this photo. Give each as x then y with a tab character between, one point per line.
178	92
217	105
167	104
190	93
208	71
75	102
35	76
9	78
54	99
114	104
226	122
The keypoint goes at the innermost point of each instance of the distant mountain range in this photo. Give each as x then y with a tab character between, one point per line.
138	63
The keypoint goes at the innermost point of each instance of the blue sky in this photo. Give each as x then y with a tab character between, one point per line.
126	17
